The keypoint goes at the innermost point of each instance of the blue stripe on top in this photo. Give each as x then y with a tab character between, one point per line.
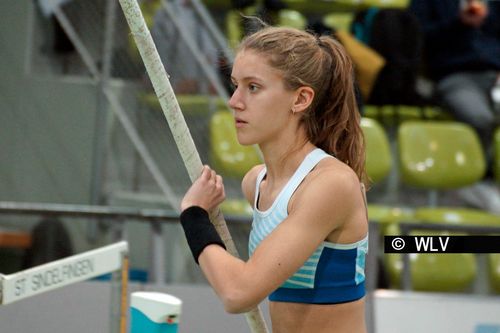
334	273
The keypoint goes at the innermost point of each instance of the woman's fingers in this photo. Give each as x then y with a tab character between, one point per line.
207	191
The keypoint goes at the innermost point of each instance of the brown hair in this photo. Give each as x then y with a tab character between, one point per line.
332	122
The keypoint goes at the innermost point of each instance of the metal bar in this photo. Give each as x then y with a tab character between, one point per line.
142	149
108	44
371	260
100	143
75	39
118	213
372	270
197	53
29	38
158	274
22	208
118	109
407	227
218	37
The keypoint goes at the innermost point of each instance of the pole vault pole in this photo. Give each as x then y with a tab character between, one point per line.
178	126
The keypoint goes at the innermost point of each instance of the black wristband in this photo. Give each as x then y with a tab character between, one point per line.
199	231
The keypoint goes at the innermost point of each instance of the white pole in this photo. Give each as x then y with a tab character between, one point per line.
178	126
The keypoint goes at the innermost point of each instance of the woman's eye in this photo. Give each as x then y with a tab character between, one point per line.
253	87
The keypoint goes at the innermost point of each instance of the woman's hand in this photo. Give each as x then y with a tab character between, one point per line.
206	192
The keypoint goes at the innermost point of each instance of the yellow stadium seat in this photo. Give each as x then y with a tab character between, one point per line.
379	163
440	156
430	271
229	158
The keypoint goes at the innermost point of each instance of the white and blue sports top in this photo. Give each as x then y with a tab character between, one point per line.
334	273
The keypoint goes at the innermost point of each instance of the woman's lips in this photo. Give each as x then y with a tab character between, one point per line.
239	122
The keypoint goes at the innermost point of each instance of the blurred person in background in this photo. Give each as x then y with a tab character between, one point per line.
462	57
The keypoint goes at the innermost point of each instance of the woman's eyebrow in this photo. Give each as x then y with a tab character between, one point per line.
247	78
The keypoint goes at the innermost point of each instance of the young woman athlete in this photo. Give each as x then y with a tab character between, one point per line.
294	97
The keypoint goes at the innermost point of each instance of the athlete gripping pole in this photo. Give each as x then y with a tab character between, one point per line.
178	126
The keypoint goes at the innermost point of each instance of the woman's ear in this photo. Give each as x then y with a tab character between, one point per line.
303	99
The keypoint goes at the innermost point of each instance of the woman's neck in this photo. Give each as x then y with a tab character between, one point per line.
282	160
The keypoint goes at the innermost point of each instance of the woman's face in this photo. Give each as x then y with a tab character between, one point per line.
262	106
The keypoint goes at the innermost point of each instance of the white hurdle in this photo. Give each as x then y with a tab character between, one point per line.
70	270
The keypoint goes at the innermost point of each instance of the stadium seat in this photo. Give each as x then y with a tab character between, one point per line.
189	104
379	164
441	156
291	18
234	21
378	153
431	272
234	28
340	21
494	271
229	158
393	115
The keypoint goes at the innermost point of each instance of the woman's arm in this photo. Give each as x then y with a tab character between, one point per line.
323	205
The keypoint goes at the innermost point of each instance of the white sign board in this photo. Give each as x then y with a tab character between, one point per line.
417	312
62	272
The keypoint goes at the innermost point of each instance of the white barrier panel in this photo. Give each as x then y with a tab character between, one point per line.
60	273
417	312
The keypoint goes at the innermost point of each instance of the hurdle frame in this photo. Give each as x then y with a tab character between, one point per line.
80	267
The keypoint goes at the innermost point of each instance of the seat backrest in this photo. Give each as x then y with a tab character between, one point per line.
292	18
227	156
439	154
378	152
237	24
426	269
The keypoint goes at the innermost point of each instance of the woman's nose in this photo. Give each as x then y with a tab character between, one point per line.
235	100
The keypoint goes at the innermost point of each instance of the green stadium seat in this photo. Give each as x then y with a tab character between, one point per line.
432	272
440	156
340	21
234	30
292	18
494	271
189	104
229	158
379	164
378	153
393	115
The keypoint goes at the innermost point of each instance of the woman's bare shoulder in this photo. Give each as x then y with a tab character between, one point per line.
335	171
330	179
248	182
